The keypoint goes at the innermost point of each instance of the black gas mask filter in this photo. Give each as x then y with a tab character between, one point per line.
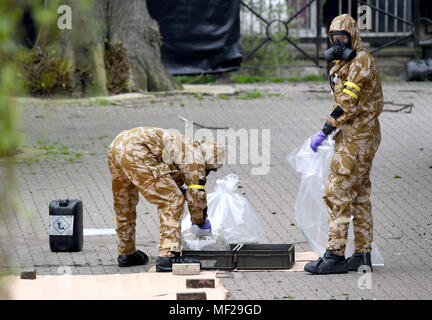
340	50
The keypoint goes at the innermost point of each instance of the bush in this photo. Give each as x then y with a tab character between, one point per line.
117	68
43	73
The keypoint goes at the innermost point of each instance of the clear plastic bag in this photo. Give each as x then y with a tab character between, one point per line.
310	212
213	241
231	215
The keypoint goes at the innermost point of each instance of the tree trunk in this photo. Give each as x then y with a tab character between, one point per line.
130	23
115	21
83	45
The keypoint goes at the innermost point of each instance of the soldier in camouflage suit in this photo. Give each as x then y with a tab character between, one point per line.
358	102
157	162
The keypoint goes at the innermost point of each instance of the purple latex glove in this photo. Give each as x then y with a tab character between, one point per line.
317	140
203	229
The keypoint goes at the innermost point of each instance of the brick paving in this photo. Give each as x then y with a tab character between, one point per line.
292	112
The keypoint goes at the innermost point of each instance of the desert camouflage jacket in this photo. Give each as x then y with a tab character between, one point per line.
357	91
167	152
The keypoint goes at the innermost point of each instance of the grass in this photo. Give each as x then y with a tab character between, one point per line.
55	151
104	102
273	94
198	96
389	78
47	147
224	96
211	78
255	94
208	78
254	79
29	161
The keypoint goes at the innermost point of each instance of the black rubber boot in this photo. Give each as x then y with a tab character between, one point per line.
359	259
135	259
164	264
329	263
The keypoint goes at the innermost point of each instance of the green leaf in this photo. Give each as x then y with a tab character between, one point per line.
44	16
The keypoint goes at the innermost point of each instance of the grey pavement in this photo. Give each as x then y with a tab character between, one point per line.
78	135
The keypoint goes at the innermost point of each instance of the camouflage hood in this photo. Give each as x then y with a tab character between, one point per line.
346	23
213	154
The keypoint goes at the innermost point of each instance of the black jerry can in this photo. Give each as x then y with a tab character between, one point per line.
66	225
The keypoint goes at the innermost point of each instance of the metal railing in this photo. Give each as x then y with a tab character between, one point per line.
384	23
391	17
283	26
392	20
408	26
302	26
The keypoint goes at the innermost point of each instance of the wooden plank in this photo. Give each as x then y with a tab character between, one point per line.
200	283
191	296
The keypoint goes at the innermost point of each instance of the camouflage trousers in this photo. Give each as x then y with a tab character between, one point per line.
347	194
129	176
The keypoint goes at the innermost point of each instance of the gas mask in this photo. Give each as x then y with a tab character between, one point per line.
340	50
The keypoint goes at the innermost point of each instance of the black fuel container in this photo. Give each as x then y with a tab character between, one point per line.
66	232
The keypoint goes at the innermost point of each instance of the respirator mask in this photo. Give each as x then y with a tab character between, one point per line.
340	50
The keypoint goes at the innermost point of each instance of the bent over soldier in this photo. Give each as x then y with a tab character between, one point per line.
157	163
356	86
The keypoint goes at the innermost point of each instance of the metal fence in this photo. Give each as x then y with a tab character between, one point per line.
303	25
384	23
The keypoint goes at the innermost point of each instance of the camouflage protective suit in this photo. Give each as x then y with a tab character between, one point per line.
359	101
156	162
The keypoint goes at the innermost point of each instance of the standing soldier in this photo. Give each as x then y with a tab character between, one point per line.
157	162
357	91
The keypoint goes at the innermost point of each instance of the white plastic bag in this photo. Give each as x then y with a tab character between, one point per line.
310	212
213	241
230	214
